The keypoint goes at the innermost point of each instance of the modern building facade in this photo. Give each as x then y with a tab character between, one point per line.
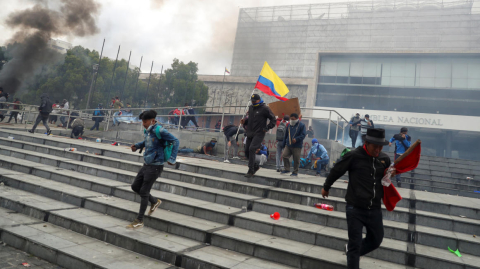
405	63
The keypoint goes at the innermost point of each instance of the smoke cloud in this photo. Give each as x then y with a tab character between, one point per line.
35	27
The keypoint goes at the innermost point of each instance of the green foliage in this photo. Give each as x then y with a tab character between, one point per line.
71	80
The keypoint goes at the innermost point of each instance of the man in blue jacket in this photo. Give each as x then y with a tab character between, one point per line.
293	142
318	153
402	142
156	138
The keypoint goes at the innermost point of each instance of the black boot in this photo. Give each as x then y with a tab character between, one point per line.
256	167
31	131
249	173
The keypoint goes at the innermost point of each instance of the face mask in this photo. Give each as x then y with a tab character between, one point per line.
315	143
213	143
293	122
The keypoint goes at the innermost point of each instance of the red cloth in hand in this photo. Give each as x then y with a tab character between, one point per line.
410	162
390	197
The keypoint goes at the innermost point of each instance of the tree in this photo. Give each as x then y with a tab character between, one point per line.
71	79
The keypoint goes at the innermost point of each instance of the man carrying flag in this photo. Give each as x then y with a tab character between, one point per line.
366	166
256	126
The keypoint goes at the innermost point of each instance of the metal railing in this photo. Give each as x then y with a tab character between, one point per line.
110	114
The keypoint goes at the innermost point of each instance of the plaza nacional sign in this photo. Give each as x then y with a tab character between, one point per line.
408	119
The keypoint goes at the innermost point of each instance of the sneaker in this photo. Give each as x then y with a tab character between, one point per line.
236	158
49	132
135	224
284	172
249	173
293	175
154	207
226	161
30	131
278	170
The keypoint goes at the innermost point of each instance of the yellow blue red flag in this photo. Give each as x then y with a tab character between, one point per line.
271	84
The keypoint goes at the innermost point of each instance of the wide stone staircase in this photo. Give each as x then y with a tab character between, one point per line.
71	208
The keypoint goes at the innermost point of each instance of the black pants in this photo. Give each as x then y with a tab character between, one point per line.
142	185
188	119
43	118
354	138
253	143
13	115
97	124
77	131
358	218
53	119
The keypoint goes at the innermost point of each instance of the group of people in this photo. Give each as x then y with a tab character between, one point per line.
15	106
187	115
359	125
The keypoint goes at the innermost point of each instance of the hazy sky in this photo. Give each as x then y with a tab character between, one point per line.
202	31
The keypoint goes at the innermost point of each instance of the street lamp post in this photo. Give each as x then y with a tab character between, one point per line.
95	69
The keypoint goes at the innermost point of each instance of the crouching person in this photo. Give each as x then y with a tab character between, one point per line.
158	142
318	154
78	125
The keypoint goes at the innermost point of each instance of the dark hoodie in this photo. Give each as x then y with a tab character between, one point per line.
46	104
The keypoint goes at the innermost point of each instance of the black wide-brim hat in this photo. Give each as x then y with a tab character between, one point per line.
376	136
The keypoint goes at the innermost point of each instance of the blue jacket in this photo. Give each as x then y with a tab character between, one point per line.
299	131
263	150
154	147
399	147
319	151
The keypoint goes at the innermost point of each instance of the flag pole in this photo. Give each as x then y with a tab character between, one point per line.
244	113
224	73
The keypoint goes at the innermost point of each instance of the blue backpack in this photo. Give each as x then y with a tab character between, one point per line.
303	163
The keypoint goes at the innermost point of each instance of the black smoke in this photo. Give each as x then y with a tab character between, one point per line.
35	27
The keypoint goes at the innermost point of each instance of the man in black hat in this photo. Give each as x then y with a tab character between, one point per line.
365	166
256	126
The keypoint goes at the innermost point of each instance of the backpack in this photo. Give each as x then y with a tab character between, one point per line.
345	151
48	107
168	146
281	129
303	163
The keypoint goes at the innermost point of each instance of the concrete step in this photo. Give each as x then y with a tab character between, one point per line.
99	226
122	154
423	218
232	216
155	244
65	247
337	190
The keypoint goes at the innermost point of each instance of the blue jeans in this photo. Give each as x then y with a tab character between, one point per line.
115	120
357	218
187	150
321	163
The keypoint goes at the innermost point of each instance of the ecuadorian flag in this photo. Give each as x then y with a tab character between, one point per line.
269	83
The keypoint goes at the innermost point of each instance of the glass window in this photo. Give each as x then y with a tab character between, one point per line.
356	69
342	80
355	80
409	82
427	69
385	81
459	83
459	69
474	84
369	69
474	70
398	68
426	82
410	69
397	81
343	68
386	66
443	69
443	82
